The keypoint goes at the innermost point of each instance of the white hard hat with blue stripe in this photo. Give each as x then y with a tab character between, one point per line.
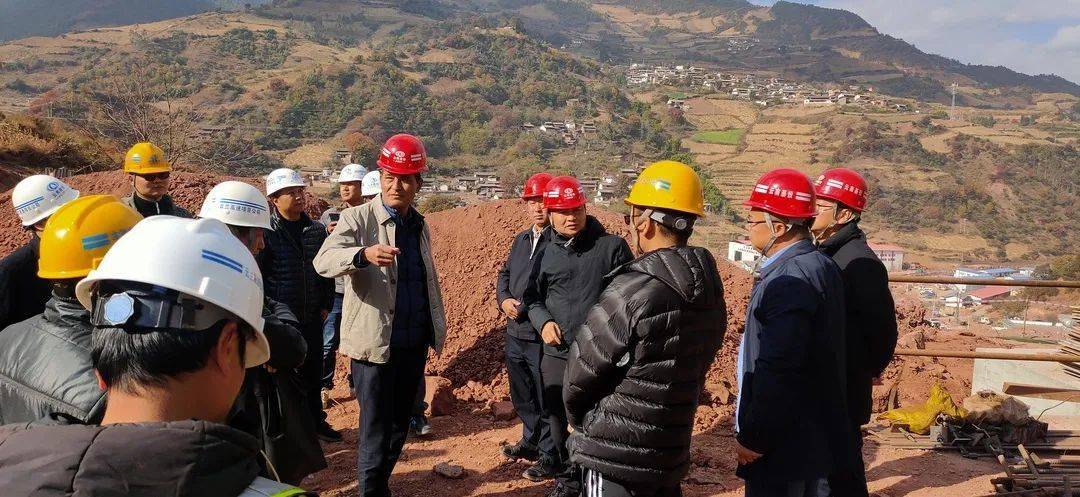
37	197
186	259
236	203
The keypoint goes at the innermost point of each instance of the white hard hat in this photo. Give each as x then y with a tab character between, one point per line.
205	262
351	172
236	203
280	179
370	186
38	196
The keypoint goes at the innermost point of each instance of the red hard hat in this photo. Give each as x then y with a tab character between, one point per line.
563	193
534	186
784	192
403	154
844	186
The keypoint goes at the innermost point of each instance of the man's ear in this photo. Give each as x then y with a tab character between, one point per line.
844	215
100	381
227	351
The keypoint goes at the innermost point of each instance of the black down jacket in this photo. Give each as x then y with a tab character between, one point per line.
288	274
45	366
636	370
178	459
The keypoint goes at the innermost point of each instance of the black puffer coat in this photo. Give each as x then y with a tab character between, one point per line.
178	459
288	274
636	370
45	366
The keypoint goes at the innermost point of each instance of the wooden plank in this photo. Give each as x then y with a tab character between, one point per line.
1041	392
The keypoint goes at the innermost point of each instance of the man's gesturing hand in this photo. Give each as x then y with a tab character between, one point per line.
381	255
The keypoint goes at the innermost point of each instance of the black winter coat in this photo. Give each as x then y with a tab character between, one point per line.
636	369
514	278
871	316
178	459
792	395
45	366
570	277
22	293
288	274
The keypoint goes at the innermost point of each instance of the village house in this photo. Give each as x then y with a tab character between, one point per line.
891	256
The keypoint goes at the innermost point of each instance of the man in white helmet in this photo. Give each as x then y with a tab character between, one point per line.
171	345
289	453
22	293
350	188
290	278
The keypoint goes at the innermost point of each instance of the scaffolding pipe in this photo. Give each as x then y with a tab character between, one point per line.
947	280
1009	356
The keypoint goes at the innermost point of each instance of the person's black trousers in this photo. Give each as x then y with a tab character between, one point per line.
387	396
552	370
852	481
803	488
311	371
594	484
527	393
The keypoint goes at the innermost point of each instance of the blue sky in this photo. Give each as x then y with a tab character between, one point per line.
1030	36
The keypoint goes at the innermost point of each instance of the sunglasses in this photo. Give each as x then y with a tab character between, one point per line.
154	177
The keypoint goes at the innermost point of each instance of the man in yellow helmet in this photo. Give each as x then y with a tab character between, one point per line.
662	318
45	364
149	171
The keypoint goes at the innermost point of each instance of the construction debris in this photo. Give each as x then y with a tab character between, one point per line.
1036	477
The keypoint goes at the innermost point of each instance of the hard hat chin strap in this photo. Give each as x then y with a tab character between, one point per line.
768	246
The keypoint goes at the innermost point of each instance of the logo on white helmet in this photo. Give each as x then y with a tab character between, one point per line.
234	265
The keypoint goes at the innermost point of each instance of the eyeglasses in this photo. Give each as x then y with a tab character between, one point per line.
154	177
752	223
626	218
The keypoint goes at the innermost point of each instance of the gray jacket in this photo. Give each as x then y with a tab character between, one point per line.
368	309
45	366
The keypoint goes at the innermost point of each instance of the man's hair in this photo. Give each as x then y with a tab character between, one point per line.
126	359
682	237
418	176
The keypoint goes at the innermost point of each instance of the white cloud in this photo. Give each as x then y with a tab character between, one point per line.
1066	38
1016	34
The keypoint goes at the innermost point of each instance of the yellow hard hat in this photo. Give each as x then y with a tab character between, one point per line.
145	158
79	234
668	185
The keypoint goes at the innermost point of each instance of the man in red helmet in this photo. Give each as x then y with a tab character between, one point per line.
791	360
871	316
393	311
523	346
567	282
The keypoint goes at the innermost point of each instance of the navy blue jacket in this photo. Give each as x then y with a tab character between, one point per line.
412	317
514	280
792	406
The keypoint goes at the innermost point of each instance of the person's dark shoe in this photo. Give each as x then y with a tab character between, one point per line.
521	450
561	490
419	425
326	433
541	471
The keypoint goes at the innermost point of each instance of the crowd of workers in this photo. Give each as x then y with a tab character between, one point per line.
145	352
